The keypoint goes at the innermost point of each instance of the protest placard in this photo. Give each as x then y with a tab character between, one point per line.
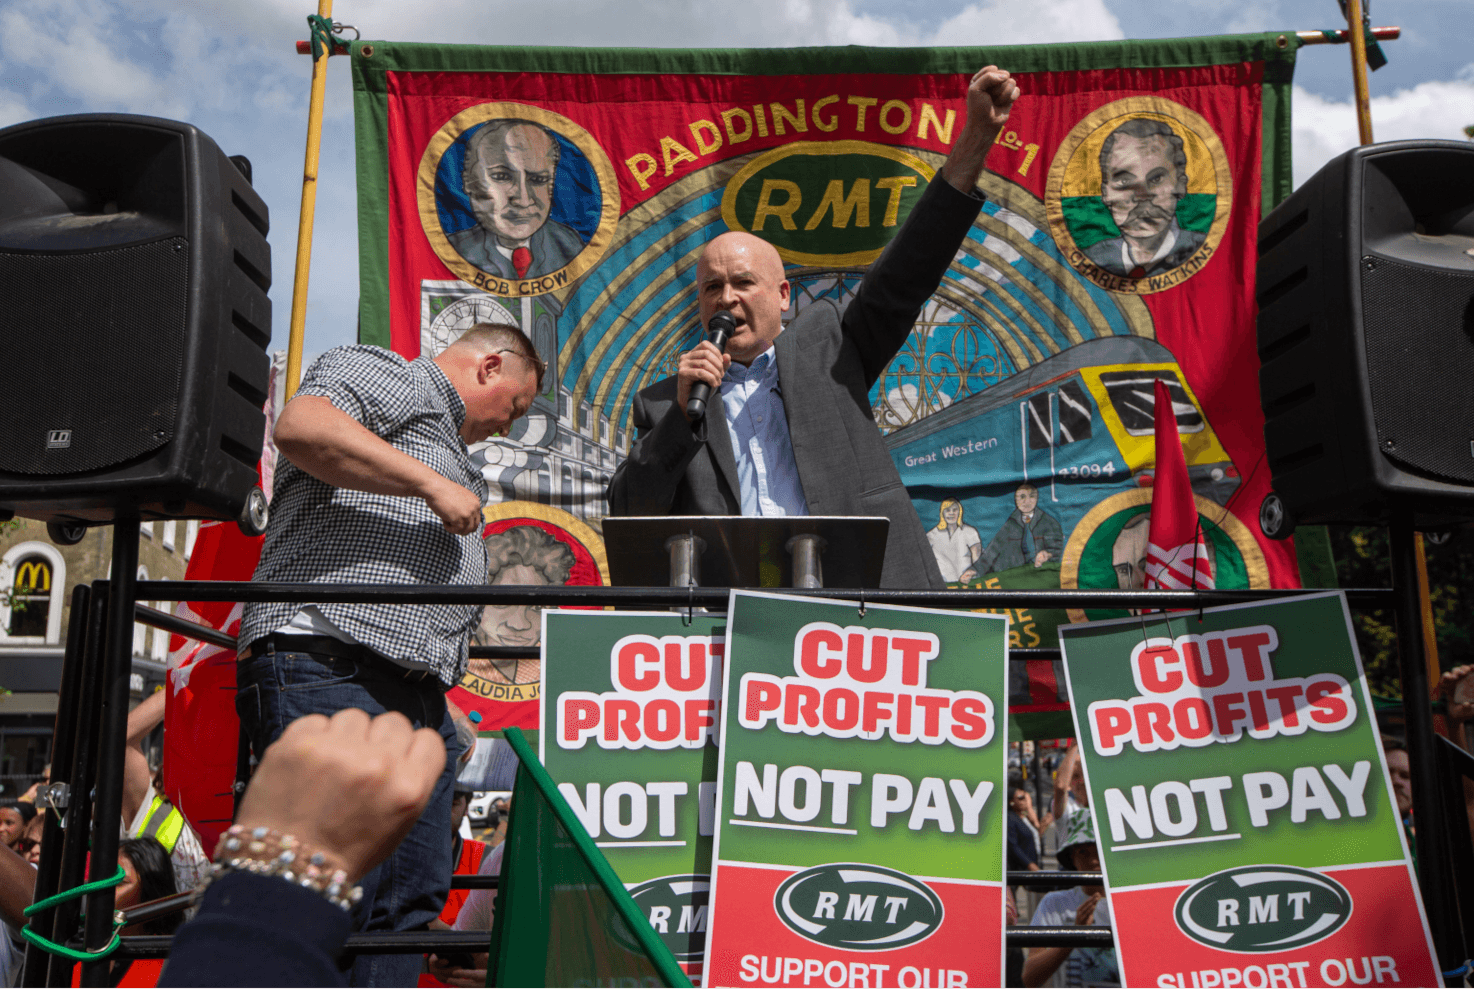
631	709
860	835
1247	827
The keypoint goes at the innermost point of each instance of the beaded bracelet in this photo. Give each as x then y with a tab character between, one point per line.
267	852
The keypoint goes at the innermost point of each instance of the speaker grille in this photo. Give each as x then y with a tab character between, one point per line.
1419	331
94	354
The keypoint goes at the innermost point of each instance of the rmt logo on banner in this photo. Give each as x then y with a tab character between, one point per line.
809	902
1240	909
1268	909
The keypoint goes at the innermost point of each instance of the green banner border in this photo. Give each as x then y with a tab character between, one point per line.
371	60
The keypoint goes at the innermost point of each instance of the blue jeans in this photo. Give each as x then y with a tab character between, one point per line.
409	888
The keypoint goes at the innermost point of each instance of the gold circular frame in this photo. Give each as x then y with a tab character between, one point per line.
1157	108
1255	566
576	527
555	282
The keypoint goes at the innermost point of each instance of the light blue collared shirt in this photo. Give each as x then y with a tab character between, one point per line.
758	425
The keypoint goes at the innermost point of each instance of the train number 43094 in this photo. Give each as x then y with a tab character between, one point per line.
1105	470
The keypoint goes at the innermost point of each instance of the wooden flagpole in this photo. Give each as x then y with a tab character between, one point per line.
309	209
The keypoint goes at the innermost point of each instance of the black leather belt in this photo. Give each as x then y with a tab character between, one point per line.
328	646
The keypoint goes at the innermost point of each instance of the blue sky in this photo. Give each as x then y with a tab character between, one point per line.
231	69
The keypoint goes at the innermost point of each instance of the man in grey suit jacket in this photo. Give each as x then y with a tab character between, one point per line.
793	432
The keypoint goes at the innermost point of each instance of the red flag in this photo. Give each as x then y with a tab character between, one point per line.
1176	556
201	728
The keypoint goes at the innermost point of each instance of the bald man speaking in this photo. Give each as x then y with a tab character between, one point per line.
793	433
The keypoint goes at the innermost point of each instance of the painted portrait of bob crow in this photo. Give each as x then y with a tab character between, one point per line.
508	176
1143	176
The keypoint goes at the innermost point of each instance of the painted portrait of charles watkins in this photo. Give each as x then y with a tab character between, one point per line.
1143	176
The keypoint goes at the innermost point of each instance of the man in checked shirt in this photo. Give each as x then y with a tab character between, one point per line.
378	487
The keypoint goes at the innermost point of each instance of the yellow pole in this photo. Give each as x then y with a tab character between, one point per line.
1430	635
1359	70
309	211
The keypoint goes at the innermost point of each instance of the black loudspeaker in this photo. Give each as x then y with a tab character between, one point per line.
133	272
1366	340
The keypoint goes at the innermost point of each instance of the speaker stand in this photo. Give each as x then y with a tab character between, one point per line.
1432	838
112	740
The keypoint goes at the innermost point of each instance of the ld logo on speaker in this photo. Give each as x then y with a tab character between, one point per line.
58	439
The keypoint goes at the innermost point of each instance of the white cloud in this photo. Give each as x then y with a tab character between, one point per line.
1325	128
62	41
13	108
151	57
612	23
1007	22
701	23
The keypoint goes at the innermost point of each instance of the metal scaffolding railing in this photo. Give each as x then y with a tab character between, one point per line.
92	717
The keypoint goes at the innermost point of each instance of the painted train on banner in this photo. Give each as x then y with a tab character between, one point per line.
1020	411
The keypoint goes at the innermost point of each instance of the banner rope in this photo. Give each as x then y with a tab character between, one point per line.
80	955
321	33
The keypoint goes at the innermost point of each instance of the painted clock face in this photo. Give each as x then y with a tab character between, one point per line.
457	318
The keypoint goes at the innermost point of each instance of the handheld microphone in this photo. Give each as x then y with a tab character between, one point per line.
718	329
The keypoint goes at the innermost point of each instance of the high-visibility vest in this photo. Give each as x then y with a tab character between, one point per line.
163	822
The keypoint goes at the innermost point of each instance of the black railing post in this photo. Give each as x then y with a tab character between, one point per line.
63	754
117	665
242	773
1455	764
1432	831
83	777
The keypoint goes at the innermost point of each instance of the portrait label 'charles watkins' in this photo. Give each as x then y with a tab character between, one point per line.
1139	195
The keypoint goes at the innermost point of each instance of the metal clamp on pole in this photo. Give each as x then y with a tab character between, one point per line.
56	796
685	559
807	550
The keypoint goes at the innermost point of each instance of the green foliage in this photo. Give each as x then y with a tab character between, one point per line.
1362	561
1469	132
7	595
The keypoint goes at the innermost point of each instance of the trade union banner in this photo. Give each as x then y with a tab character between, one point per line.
571	191
859	823
1246	823
632	706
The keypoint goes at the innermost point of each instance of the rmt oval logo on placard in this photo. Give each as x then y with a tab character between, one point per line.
858	906
676	908
1262	909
